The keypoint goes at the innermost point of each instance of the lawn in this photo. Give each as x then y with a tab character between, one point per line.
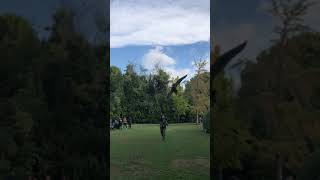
139	153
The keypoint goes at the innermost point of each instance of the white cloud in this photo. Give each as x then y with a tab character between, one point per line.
179	72
157	56
166	22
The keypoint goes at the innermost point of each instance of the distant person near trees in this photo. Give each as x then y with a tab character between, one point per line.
163	126
129	121
116	124
125	122
120	123
112	124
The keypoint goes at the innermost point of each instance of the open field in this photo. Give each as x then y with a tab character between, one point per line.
139	153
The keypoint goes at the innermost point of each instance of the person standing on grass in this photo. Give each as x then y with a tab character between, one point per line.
116	124
120	123
163	126
125	122
129	121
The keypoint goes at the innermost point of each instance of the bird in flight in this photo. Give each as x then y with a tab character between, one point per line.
216	67
175	85
224	59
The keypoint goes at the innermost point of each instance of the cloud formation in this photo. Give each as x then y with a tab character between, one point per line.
166	22
157	56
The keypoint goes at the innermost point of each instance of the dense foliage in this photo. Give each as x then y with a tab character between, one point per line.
143	96
275	117
279	98
53	101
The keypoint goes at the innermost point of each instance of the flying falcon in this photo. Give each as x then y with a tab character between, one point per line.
224	59
175	85
216	67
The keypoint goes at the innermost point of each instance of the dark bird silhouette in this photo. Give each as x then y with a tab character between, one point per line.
217	67
175	85
225	58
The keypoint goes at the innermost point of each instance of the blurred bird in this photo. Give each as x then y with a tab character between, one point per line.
225	58
175	85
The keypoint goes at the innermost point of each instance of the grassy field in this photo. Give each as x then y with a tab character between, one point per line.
139	153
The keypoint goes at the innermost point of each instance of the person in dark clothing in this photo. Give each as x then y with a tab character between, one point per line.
129	121
112	124
163	126
120	123
125	122
116	124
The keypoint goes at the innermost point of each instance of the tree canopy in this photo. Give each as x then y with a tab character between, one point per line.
144	96
53	101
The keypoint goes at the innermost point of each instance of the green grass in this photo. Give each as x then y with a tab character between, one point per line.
139	153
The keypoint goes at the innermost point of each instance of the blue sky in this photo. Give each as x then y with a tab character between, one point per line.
175	27
170	33
182	55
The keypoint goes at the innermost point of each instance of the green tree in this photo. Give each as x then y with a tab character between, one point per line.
181	104
116	92
280	110
160	82
19	49
229	133
197	92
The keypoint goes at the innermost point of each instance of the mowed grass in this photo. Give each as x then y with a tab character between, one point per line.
139	153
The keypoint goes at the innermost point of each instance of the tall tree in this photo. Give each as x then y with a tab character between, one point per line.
290	14
21	105
181	104
281	112
116	92
199	86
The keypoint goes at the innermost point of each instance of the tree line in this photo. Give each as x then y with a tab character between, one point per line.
143	96
53	101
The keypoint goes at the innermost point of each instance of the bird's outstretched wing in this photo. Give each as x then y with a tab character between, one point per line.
179	81
174	86
225	58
